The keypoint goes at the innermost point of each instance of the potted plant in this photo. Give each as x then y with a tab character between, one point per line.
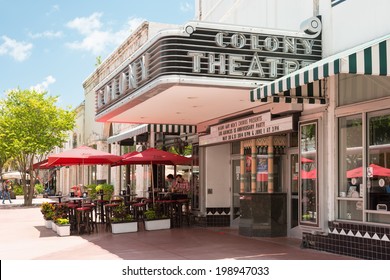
155	220
47	210
60	212
63	226
122	221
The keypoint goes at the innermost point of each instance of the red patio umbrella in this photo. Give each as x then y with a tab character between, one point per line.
154	156
306	160
82	155
377	170
121	161
41	165
312	174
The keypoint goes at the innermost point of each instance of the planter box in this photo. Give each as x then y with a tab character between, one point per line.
63	230
158	224
47	223
124	227
54	226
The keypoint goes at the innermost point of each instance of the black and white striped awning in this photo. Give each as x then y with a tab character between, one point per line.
148	128
305	85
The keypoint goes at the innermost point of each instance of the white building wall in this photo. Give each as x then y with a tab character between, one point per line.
218	176
278	14
354	22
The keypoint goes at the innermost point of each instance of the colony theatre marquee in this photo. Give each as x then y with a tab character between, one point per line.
254	126
201	49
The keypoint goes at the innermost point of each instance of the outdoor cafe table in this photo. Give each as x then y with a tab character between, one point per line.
78	199
59	197
162	195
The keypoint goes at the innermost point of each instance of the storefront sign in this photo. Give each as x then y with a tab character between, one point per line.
207	50
251	127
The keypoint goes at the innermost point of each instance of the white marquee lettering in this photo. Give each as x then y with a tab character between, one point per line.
213	62
234	64
290	66
255	67
273	66
122	83
144	62
132	76
290	45
307	45
219	39
238	41
271	44
196	56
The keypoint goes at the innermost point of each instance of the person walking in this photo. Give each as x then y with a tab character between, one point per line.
6	194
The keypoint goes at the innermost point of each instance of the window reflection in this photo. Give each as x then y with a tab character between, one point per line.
308	173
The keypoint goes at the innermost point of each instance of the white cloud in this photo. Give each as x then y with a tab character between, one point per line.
86	25
20	51
44	86
185	7
96	42
46	34
96	39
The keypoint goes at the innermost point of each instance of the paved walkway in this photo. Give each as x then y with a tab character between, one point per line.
28	239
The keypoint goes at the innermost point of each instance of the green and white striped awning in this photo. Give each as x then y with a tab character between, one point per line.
306	85
146	128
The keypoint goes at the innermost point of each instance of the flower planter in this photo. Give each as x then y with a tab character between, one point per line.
124	227
48	223
158	224
53	226
63	230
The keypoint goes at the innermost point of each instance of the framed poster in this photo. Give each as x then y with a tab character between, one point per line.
262	168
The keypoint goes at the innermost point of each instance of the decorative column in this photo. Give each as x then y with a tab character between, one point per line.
242	167
270	165
253	165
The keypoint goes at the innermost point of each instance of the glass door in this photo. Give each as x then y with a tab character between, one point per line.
293	194
235	189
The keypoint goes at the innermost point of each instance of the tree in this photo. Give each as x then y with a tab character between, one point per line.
31	125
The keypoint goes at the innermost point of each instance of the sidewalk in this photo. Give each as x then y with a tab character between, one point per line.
28	239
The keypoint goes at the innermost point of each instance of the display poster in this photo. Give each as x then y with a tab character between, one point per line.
248	164
262	168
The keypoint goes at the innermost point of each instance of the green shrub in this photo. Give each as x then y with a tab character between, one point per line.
107	189
92	191
60	211
150	215
155	214
39	189
120	214
62	221
47	209
17	189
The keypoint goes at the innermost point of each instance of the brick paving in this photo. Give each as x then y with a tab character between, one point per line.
28	239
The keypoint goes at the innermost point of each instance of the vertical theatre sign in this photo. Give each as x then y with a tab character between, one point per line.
215	51
250	127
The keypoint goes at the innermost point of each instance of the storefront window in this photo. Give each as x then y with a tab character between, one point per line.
350	202
364	182
308	174
378	169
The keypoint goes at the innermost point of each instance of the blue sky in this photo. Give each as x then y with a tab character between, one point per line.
53	45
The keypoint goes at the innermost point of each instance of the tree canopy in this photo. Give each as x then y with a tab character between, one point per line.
31	125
